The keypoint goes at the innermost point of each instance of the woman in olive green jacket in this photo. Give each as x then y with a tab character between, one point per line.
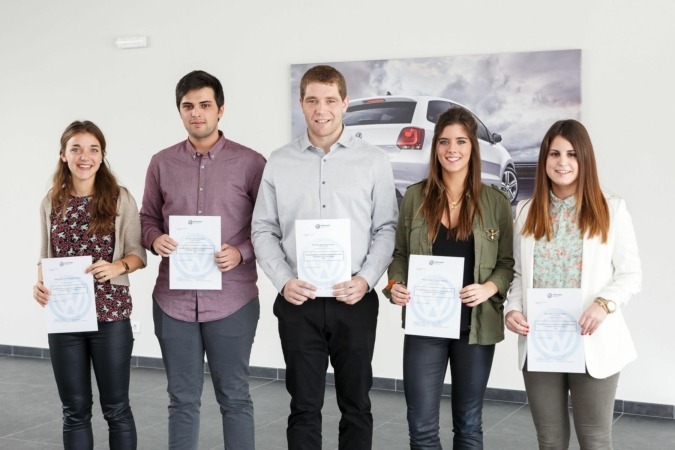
452	213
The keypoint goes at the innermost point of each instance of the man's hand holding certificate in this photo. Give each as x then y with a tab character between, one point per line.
72	302
434	308
192	265
554	343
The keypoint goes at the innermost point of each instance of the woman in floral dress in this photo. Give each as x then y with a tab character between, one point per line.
86	213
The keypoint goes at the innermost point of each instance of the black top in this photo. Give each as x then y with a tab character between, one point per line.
450	246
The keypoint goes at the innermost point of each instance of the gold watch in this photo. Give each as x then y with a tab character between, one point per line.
608	305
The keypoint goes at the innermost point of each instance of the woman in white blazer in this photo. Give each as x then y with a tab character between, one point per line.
571	235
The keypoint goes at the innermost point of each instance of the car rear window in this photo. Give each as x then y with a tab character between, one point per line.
377	113
436	108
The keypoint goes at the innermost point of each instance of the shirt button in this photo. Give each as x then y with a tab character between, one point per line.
324	206
201	189
202	167
323	182
199	212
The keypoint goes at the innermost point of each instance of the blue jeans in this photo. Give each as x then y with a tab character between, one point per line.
425	361
109	351
227	344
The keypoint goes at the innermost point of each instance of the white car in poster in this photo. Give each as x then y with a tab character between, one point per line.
403	126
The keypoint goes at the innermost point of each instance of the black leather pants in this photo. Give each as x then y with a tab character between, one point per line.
108	350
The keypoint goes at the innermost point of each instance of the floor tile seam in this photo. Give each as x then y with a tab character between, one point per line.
31	441
41	424
391	421
645	416
264	384
282	418
523	405
152	425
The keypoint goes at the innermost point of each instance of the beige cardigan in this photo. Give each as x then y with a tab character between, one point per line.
127	232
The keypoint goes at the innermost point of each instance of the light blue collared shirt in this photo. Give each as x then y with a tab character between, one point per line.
353	181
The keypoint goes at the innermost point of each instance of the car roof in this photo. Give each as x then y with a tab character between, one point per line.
404	98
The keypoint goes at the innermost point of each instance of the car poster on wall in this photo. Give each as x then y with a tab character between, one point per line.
516	97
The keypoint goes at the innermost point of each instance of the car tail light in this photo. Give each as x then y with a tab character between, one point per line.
410	138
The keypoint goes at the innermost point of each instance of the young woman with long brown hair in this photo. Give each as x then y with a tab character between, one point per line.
88	213
572	235
452	213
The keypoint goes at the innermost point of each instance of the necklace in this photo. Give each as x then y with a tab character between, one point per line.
453	204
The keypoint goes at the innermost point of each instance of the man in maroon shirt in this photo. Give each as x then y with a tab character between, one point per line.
205	175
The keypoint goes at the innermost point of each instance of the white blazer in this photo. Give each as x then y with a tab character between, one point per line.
611	270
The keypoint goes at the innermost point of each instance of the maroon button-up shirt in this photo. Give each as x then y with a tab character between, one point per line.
224	182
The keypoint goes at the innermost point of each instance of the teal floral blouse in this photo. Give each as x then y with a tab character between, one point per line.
557	263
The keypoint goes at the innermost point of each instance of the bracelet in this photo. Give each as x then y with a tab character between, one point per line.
392	283
603	305
126	266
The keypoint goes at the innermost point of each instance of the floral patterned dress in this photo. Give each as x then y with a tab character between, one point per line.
70	237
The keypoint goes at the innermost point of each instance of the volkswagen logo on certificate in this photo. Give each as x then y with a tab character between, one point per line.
324	263
432	301
558	334
194	256
70	300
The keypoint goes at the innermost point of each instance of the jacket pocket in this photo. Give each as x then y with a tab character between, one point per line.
489	247
417	235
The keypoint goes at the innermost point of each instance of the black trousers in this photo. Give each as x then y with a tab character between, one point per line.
312	333
425	361
109	351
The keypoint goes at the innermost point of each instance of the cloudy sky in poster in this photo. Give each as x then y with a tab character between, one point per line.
518	95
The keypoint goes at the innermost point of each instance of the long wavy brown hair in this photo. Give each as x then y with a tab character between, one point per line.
592	208
103	205
435	202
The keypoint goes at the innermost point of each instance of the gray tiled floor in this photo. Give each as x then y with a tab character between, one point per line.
30	416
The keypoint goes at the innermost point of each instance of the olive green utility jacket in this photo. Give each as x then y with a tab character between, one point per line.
493	237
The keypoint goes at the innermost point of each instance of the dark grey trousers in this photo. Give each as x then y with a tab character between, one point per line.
227	344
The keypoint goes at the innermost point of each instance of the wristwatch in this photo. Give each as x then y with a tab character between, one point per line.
126	266
608	305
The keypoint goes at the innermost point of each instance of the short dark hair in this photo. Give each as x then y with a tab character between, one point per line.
198	79
324	75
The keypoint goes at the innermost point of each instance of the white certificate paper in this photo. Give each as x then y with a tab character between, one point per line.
193	265
554	343
324	253
72	301
434	308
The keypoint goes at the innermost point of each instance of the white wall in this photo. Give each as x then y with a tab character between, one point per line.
59	63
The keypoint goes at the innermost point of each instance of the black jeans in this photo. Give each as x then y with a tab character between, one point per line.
312	333
425	360
109	351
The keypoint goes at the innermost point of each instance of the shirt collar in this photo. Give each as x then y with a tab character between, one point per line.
212	153
568	204
346	140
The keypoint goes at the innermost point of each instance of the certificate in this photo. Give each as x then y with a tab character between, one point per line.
554	343
434	308
193	264
72	301
324	253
